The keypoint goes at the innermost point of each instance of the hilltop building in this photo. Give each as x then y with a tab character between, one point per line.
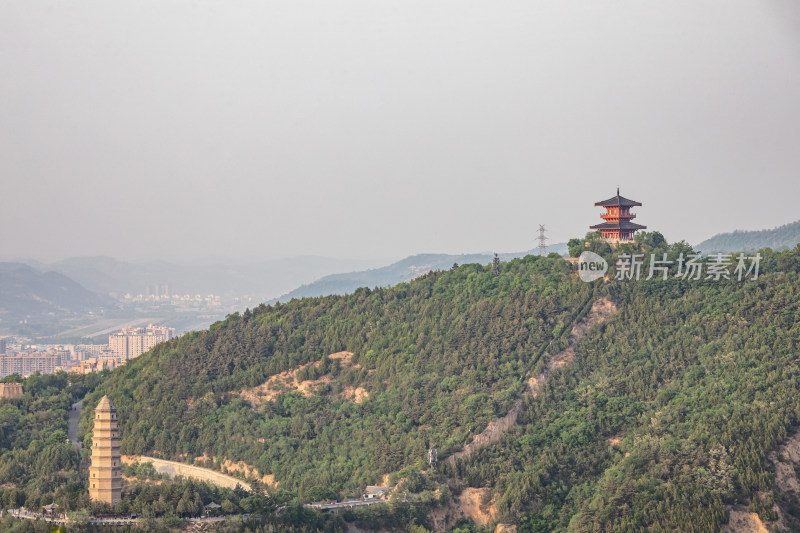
105	473
133	342
618	227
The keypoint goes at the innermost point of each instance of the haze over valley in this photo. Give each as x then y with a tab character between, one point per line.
399	267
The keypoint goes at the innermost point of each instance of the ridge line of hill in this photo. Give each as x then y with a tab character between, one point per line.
782	237
401	271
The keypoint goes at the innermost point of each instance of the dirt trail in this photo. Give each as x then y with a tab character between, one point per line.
601	310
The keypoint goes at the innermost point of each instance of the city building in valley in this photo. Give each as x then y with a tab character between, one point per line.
11	390
105	473
81	352
2	346
95	365
133	342
27	359
28	363
618	227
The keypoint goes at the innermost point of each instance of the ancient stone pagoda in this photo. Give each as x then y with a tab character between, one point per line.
105	474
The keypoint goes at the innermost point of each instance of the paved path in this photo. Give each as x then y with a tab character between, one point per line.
349	504
174	468
74	419
28	515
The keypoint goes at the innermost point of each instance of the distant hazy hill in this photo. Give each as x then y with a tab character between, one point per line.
403	270
780	238
26	291
263	280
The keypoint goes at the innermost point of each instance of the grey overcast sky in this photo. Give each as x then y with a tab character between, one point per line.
185	129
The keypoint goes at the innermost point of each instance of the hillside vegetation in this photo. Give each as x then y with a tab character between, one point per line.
663	419
780	238
439	357
39	466
399	272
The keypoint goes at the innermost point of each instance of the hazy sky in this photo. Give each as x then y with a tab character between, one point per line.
181	129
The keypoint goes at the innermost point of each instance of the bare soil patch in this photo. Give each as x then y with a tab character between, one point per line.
288	382
784	458
468	504
744	521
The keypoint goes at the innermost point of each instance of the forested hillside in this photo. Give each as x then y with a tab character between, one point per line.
438	357
663	420
39	466
401	271
667	416
780	238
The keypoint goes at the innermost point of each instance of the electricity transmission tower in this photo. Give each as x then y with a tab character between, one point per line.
433	457
542	240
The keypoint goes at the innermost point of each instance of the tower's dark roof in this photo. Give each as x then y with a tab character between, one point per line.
621	225
618	201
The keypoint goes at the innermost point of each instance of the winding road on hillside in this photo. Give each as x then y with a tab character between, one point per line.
193	523
174	468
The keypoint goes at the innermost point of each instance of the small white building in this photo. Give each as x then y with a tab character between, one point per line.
373	492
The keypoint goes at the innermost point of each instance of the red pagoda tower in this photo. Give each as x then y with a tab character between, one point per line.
618	226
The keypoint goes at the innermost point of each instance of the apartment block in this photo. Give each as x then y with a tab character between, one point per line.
28	363
133	342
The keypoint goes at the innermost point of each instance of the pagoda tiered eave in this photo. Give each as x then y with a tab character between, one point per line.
623	225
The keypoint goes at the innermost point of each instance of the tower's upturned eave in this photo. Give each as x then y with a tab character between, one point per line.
623	225
618	201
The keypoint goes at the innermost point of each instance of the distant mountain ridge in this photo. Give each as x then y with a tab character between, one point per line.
400	271
25	291
780	238
262	280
